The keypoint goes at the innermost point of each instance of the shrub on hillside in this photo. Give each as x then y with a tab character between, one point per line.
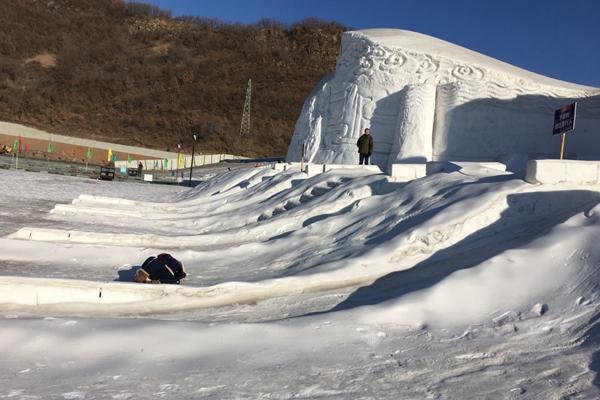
129	72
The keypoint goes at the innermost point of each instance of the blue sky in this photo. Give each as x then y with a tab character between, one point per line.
560	39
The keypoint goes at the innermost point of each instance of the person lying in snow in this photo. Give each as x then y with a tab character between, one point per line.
163	268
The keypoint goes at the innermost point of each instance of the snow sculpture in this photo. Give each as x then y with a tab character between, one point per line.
426	99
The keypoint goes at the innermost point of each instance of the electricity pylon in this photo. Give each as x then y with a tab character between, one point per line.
245	125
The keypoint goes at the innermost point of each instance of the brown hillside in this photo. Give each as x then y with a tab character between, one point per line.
131	74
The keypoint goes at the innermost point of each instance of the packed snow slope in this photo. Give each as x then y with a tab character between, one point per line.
342	228
469	284
426	99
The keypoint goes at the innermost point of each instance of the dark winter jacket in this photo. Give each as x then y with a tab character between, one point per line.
164	268
365	144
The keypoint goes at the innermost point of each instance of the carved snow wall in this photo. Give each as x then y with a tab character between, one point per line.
425	99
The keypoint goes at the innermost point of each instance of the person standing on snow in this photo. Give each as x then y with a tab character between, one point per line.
365	147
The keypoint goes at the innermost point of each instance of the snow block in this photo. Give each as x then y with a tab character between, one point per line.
407	171
314	169
374	168
563	171
70	209
104	200
64	208
295	165
40	292
41	234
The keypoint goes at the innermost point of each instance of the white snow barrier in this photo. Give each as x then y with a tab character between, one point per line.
373	168
407	171
120	298
104	200
110	239
37	292
563	171
90	210
312	169
295	165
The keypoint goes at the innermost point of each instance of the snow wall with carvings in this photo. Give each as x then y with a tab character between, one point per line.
426	99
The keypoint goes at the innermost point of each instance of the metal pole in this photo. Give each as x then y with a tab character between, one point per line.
192	163
562	145
177	166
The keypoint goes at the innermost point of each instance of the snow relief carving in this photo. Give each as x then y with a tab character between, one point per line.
425	99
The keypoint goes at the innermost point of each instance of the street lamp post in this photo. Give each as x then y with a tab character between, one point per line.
192	163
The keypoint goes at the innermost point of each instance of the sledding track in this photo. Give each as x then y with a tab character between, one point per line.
316	222
271	207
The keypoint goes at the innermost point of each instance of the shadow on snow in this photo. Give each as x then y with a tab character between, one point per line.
477	247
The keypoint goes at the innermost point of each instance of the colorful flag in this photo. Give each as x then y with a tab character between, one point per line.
89	153
50	147
114	157
165	163
109	156
129	158
19	146
179	160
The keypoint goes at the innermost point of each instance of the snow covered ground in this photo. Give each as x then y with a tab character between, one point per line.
341	285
